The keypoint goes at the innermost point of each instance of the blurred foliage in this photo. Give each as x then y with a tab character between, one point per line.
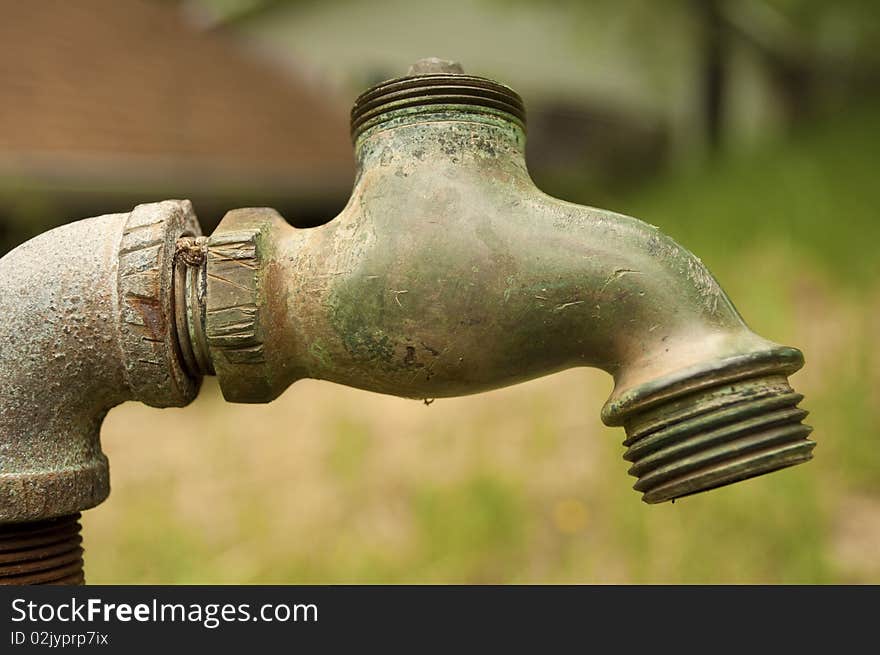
848	26
852	26
814	193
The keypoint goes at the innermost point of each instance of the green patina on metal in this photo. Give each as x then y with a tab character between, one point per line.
447	273
450	273
317	351
356	321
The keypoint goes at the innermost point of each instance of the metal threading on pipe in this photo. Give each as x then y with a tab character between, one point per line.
42	552
423	92
714	427
190	289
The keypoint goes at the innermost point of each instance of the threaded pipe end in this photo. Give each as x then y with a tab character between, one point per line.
42	552
713	424
716	436
190	290
427	92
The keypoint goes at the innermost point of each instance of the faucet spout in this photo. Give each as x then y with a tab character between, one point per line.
450	273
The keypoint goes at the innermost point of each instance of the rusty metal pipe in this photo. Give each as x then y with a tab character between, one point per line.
42	552
450	273
87	323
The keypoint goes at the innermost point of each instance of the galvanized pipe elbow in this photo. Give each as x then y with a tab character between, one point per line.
87	323
450	273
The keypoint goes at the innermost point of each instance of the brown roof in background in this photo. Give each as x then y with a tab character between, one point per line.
131	83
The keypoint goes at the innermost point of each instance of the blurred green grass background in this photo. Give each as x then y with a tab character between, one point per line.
333	485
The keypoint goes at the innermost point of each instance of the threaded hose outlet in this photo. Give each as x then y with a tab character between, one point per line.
42	552
731	421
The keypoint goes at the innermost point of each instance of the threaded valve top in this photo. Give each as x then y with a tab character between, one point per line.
431	83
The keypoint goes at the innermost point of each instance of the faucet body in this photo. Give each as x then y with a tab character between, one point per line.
447	273
450	273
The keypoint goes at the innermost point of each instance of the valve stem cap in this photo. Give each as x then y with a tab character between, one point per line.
435	66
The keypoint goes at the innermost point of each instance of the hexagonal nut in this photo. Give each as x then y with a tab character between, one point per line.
153	368
235	334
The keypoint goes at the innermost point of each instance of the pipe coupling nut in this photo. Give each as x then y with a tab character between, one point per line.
236	272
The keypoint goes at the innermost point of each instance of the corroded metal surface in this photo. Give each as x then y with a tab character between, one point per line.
85	324
190	292
716	435
447	273
450	273
235	325
425	92
42	552
145	293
